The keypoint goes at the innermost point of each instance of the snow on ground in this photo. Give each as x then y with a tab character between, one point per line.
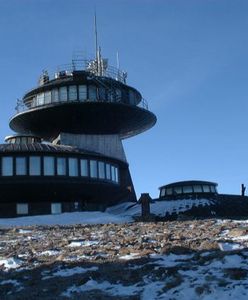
215	279
70	272
112	289
230	246
11	263
83	243
118	214
136	261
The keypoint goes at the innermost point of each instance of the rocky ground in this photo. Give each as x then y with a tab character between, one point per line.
199	259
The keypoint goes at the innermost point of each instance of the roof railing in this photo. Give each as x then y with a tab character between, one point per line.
91	66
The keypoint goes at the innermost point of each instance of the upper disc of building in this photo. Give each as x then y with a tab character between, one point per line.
85	97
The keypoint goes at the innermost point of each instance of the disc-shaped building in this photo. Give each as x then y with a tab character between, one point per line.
67	154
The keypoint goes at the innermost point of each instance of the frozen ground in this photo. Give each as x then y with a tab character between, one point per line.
204	259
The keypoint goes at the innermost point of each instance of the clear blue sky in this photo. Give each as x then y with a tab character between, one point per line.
189	59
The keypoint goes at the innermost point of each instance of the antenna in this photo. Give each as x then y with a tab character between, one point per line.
96	40
117	60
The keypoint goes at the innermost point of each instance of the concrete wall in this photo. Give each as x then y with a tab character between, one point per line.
109	144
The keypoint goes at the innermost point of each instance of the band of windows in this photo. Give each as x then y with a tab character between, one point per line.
58	166
83	93
177	190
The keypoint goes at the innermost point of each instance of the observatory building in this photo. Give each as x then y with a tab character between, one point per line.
67	153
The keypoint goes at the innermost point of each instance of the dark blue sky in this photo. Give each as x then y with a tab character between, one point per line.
188	59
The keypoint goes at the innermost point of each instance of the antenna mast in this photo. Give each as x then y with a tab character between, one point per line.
96	40
98	60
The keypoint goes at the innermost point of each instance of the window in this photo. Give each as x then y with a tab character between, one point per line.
49	166
187	189
56	208
113	174
84	167
40	99
177	190
213	189
101	94
61	166
111	95
21	208
197	188
118	95
55	95
34	166
162	193
169	191
73	167
7	166
21	166
72	92
206	188
82	92
63	93
48	97
108	172
93	169
92	93
116	175
131	97
101	167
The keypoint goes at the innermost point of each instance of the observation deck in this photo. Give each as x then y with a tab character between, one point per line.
84	97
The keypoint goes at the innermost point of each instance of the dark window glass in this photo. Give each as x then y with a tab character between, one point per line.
7	166
108	172
61	166
84	167
49	166
63	93
22	208
101	167
93	168
92	93
82	91
21	166
72	92
34	166
73	167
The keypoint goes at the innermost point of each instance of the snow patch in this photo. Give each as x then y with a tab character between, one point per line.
130	256
70	272
111	289
11	263
83	243
230	246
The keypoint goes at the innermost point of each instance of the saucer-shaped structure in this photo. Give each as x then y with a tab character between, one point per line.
81	103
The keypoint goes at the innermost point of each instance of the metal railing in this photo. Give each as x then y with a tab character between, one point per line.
88	65
22	106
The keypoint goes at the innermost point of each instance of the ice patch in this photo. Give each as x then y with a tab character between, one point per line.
70	272
49	252
241	238
230	246
83	243
11	263
130	256
23	231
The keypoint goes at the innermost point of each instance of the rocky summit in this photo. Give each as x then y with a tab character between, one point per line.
197	259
